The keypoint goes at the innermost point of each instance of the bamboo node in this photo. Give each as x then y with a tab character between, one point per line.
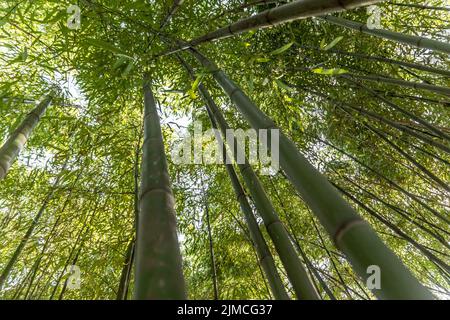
345	227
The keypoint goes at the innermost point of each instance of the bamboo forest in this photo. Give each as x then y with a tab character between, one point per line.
136	138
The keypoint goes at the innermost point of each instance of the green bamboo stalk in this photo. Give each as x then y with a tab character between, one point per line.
299	248
373	115
392	183
403	213
265	257
296	272
416	41
176	4
211	244
12	147
37	263
383	59
295	10
419	166
79	241
403	83
419	6
73	263
159	272
400	109
126	272
394	228
349	231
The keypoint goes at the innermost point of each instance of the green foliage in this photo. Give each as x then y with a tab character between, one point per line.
289	71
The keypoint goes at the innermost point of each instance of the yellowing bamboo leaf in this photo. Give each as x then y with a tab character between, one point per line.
262	60
331	72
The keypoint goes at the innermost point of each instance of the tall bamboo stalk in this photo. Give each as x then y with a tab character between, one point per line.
12	147
410	195
393	105
81	237
373	115
299	248
420	6
416	41
419	166
349	231
211	245
402	83
383	59
159	272
394	228
176	4
295	10
265	257
126	272
295	270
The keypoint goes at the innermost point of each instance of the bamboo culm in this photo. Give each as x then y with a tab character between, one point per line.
403	83
158	271
265	257
295	10
416	41
348	230
295	270
412	65
126	272
12	147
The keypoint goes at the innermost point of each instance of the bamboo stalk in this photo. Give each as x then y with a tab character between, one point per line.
12	147
299	248
391	182
394	228
126	272
383	59
403	83
81	237
373	115
295	10
211	245
427	172
296	272
349	231
419	6
158	272
400	109
176	4
265	257
416	41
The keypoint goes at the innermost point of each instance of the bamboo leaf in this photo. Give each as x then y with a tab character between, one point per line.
332	72
284	86
128	69
282	49
332	43
104	45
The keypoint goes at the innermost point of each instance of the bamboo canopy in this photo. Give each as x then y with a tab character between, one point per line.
224	150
